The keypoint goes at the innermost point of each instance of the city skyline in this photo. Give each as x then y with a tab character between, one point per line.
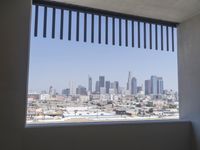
94	86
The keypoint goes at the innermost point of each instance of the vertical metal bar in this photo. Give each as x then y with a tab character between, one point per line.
99	28
61	23
77	25
92	28
70	25
172	39
145	42
156	36
106	34
113	30
150	35
133	33
167	32
138	34
53	23
120	32
126	28
85	27
36	20
45	22
162	37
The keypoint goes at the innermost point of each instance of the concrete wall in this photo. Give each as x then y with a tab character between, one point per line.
14	47
135	136
189	73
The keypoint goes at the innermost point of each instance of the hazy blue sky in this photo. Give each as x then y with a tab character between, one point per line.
56	62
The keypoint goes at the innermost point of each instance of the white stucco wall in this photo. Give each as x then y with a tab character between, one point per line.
189	73
14	48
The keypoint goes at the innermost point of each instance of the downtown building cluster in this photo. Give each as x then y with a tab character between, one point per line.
154	86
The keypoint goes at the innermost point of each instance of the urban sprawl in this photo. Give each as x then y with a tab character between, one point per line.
108	101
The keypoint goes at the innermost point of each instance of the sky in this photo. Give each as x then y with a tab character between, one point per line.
55	62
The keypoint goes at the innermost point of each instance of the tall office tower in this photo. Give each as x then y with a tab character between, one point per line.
116	87
154	89
89	84
72	88
54	92
107	86
139	89
160	85
112	88
112	85
133	86
101	81
97	88
66	92
128	88
51	90
147	84
102	90
81	90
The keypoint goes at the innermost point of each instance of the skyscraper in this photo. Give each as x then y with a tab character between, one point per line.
128	88
66	92
72	88
147	87
133	86
51	90
139	89
154	89
102	90
81	90
101	81
116	87
107	86
97	88
159	85
89	84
